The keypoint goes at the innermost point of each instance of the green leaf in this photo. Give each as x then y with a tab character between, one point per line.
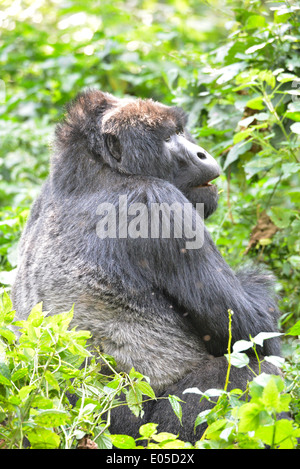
146	389
7	334
25	391
252	49
6	303
51	418
123	441
286	77
19	374
242	345
262	336
256	103
174	401
295	329
4	380
255	22
134	399
296	128
162	436
290	168
235	152
270	396
276	361
282	435
5	376
215	428
36	315
51	380
281	216
239	360
148	429
249	417
42	438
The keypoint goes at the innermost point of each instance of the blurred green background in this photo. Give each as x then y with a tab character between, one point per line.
233	65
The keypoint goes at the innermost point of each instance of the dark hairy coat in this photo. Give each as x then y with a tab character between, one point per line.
150	302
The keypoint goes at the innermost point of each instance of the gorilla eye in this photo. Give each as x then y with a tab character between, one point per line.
180	131
168	139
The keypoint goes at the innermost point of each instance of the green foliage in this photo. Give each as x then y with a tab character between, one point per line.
47	361
37	371
234	66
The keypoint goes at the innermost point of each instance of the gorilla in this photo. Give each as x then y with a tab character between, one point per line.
118	231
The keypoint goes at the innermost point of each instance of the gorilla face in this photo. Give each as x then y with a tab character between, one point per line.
195	168
140	137
149	138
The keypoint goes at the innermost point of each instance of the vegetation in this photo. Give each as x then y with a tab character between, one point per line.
234	66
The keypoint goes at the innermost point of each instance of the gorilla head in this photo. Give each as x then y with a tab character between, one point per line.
142	137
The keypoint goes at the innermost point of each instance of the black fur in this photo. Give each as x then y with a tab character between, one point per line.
150	302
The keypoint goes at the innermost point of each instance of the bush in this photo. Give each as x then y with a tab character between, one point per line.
48	362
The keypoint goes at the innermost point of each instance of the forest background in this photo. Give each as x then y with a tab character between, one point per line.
232	65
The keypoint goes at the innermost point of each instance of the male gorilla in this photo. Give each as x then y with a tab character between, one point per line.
149	301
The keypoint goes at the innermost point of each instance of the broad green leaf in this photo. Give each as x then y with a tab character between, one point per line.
255	21
172	444
25	391
51	418
215	428
249	415
276	361
5	381
281	434
294	116
50	378
42	438
246	122
286	77
36	315
146	389
148	429
290	168
237	150
281	216
162	436
123	441
242	345
5	375
19	374
7	334
268	77
296	128
271	396
239	360
262	336
256	103
134	399
295	329
6	302
202	417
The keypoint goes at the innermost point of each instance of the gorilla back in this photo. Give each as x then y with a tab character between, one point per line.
116	231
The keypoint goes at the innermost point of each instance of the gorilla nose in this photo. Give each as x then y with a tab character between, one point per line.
208	167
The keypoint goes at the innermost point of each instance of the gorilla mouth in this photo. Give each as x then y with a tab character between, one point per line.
206	184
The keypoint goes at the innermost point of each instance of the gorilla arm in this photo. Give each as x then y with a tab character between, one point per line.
201	286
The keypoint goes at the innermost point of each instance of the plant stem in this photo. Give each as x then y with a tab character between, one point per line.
230	313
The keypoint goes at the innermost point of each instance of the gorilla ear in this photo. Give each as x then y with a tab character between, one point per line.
113	146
